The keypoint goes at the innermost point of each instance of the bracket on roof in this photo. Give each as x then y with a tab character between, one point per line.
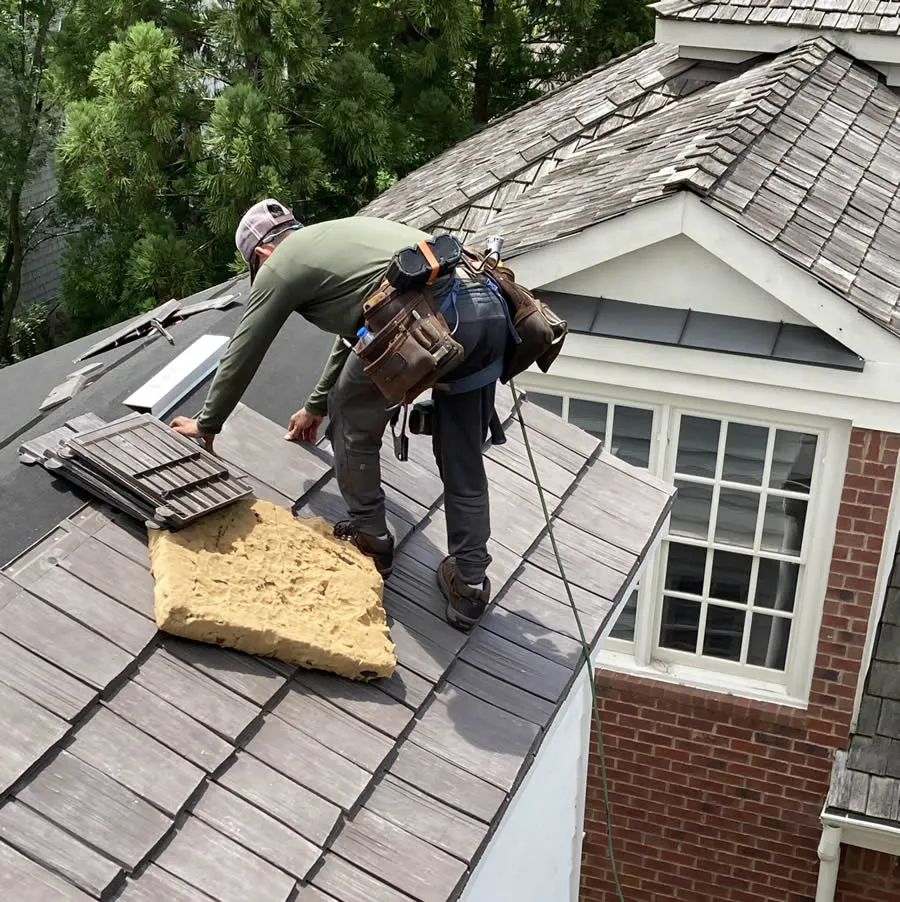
138	328
220	303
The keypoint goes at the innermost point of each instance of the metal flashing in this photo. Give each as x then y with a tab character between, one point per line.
714	332
179	376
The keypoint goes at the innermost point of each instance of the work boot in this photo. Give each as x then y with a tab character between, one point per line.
465	605
379	548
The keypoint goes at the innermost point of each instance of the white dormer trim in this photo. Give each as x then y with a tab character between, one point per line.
735	42
869	399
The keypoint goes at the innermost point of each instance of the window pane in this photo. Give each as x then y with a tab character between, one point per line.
724	632
792	461
730	576
553	403
680	623
769	641
589	416
745	453
624	628
691	511
632	432
685	568
698	446
776	584
736	521
783	526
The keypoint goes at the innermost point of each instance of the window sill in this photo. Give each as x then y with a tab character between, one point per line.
697	678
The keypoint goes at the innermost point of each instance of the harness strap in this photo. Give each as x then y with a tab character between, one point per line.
479	379
494	370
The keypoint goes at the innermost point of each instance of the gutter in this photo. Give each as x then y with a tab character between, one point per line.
846	829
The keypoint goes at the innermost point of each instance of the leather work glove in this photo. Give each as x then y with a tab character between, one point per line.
303	426
187	426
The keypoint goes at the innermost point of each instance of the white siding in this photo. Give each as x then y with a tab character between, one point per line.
535	855
678	273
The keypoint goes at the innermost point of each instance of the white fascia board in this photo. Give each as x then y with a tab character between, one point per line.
763	38
864	834
714	55
684	214
640	227
869	400
786	281
179	377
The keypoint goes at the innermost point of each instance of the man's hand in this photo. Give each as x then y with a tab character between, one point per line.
187	426
304	426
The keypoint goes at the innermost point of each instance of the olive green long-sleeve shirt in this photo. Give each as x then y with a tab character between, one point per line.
324	272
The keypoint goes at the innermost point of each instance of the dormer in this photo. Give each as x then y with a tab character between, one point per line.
868	30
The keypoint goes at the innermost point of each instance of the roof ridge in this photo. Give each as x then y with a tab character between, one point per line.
672	7
588	125
549	95
748	113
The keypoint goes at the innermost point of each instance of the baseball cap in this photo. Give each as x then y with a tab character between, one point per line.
262	218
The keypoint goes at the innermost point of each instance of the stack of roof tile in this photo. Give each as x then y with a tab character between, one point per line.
141	466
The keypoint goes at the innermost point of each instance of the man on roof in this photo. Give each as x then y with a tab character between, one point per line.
325	272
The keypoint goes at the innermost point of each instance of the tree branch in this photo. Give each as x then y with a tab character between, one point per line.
44	238
43	203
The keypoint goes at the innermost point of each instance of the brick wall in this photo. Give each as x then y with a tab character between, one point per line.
716	797
868	876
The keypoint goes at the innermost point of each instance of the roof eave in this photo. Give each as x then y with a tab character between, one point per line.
880	836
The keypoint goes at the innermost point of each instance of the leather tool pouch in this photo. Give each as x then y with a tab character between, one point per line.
411	348
540	333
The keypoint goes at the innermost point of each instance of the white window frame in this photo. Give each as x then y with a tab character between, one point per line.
642	656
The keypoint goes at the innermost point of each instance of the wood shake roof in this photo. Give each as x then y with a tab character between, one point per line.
798	150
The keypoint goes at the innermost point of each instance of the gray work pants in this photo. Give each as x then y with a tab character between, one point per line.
359	416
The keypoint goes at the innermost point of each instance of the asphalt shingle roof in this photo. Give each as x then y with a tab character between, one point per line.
142	767
872	16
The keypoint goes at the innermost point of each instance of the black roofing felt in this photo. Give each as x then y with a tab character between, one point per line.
142	767
32	504
716	332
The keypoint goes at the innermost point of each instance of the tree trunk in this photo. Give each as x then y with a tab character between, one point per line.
482	81
30	108
10	276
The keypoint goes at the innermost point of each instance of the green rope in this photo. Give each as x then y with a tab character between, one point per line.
585	647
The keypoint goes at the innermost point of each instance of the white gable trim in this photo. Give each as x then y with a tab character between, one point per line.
684	214
614	237
786	281
708	40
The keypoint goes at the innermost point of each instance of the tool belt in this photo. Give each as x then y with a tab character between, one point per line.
411	348
538	333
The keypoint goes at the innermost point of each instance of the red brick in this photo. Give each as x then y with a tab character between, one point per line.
719	796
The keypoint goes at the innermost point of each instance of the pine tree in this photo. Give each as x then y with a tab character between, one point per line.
179	114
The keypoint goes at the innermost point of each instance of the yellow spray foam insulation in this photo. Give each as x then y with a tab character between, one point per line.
253	577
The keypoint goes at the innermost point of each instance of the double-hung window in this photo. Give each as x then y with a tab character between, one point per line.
735	587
